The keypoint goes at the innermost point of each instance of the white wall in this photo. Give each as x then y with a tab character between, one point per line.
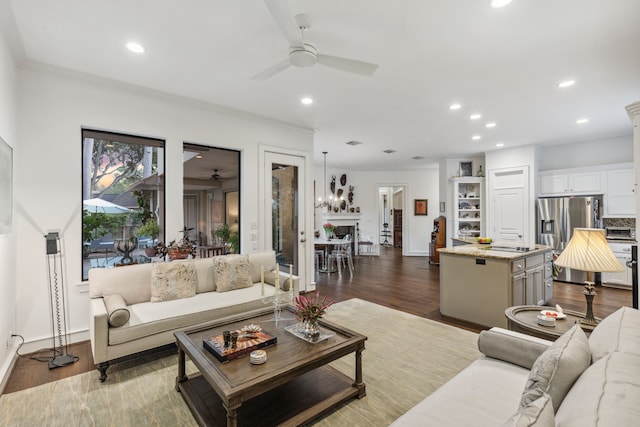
420	184
593	153
7	241
53	107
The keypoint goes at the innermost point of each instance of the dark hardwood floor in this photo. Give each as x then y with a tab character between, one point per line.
408	284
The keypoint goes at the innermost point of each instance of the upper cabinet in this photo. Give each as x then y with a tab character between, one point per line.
620	197
564	183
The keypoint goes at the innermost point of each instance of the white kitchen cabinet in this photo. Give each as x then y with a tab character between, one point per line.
557	183
620	195
621	279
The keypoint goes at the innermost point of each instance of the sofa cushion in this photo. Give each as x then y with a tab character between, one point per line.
117	311
606	394
150	318
617	332
204	273
109	281
232	272
538	413
266	259
487	390
173	280
555	371
511	346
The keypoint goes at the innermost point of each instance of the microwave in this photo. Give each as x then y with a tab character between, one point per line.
620	233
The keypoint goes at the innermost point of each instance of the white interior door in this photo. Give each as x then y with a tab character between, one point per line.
284	189
508	215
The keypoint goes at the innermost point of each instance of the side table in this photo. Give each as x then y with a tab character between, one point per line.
524	318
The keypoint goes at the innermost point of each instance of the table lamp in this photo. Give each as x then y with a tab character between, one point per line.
589	251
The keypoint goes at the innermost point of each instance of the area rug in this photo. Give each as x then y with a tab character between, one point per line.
406	359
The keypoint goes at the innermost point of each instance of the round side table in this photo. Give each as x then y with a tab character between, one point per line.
524	318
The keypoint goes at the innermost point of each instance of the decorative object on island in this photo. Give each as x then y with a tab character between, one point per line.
420	206
589	251
309	311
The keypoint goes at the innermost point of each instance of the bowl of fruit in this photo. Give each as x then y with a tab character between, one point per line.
484	240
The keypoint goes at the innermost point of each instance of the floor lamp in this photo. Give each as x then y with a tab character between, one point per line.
589	251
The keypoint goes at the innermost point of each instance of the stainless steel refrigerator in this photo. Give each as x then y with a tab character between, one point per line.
556	219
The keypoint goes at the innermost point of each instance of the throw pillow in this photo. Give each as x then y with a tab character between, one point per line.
117	312
171	281
538	413
555	371
232	272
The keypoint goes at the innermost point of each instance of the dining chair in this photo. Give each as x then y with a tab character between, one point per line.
341	254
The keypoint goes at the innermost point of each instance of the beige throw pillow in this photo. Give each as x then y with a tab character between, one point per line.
173	280
232	272
538	413
555	371
117	312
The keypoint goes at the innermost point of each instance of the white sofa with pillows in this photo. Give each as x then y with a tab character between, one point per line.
525	381
139	307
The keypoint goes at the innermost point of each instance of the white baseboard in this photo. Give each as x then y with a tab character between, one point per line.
47	343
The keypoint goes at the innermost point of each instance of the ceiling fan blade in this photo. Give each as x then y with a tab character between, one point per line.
284	18
349	65
275	69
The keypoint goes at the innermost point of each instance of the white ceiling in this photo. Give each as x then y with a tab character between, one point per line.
504	63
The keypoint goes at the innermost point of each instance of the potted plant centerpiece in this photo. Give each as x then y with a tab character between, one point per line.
309	310
329	230
178	248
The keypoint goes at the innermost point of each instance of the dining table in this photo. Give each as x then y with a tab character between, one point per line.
326	244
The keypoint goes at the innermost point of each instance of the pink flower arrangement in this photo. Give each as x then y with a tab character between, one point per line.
328	227
311	309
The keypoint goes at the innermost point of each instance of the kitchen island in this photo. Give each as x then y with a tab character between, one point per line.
478	283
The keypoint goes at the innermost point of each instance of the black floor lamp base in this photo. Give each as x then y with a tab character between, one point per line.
60	361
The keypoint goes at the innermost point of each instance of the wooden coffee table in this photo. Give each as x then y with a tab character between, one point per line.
294	386
524	318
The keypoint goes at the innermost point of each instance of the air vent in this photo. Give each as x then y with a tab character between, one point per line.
389	151
353	143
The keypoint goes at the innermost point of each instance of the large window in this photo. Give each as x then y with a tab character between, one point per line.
122	199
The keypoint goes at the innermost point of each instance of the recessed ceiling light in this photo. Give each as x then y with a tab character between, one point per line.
500	3
418	157
476	137
455	106
499	144
582	121
135	47
306	101
475	116
389	151
490	125
353	143
567	83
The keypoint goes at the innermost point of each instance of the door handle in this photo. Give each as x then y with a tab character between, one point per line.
631	263
303	240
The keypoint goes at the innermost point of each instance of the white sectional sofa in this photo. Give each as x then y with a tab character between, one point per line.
574	381
139	307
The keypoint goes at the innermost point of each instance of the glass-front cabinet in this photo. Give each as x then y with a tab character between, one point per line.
468	207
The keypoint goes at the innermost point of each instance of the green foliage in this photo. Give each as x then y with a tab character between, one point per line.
149	229
223	232
98	224
234	240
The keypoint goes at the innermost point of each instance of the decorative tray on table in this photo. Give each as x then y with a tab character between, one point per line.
246	343
298	330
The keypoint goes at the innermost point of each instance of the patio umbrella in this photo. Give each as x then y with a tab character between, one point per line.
103	206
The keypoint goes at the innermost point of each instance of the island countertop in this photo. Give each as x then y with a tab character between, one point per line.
484	251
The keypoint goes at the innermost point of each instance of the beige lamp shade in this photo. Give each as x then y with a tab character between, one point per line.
588	250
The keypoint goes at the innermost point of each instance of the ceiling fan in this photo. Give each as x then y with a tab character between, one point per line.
216	176
303	53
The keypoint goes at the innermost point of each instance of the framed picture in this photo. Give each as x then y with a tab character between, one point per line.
420	206
466	168
216	211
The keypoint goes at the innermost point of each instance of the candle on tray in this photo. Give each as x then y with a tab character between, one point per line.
277	277
291	277
262	279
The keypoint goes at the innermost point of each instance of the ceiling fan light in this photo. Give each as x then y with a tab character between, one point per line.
303	56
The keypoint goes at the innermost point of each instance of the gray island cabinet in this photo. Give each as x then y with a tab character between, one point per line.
478	284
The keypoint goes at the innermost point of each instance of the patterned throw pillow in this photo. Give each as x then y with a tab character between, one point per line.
232	272
538	413
173	280
555	370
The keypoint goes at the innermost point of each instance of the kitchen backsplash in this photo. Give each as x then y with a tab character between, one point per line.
618	222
